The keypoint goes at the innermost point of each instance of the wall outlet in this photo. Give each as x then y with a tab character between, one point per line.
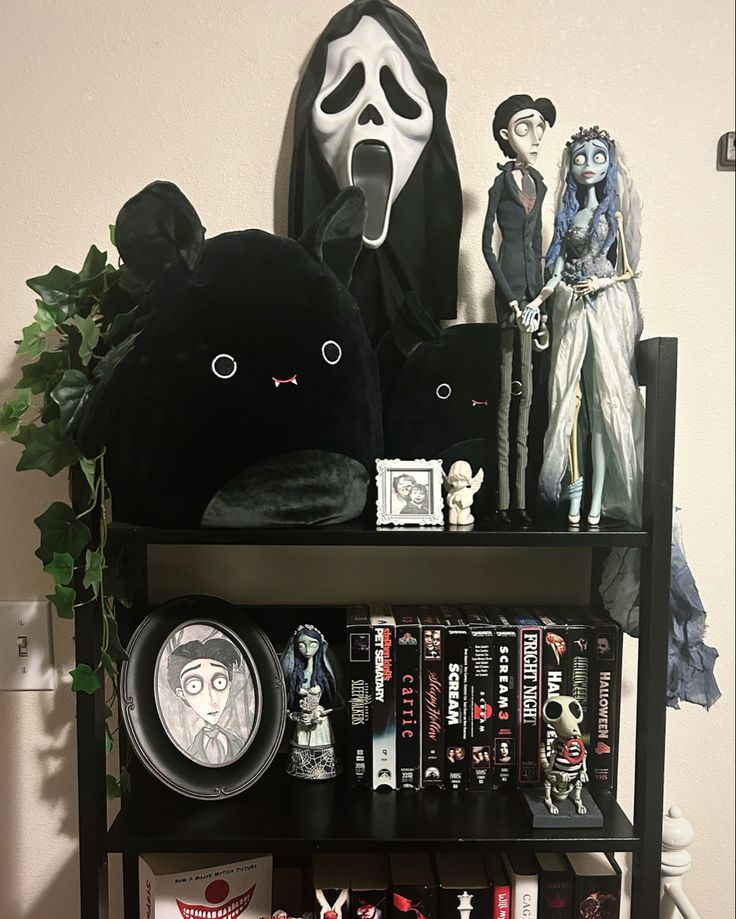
26	661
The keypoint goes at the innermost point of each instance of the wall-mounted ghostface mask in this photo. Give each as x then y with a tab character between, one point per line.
370	111
372	120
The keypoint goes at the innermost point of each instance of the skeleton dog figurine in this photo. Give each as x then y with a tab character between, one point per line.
565	771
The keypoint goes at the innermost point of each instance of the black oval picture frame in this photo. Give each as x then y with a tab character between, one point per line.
160	751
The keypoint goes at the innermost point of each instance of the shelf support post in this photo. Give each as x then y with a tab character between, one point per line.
657	365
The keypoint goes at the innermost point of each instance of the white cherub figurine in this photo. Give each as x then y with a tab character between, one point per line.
461	486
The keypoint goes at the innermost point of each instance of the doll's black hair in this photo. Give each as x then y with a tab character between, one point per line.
215	649
509	107
320	672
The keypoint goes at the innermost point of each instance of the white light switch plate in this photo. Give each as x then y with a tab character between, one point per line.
25	645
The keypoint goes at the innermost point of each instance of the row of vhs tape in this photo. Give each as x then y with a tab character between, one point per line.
451	696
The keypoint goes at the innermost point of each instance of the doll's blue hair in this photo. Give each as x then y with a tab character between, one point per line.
320	672
607	203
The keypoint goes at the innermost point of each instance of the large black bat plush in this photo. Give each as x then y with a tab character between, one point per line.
251	395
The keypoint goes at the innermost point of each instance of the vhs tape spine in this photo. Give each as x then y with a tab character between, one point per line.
433	690
384	699
360	677
605	702
456	702
505	651
480	714
530	685
555	669
580	638
408	698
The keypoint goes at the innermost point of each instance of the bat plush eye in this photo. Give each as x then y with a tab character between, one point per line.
444	391
224	366
331	352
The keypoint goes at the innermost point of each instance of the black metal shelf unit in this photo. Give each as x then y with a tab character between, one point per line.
277	816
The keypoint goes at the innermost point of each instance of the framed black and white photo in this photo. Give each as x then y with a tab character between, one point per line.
409	492
203	697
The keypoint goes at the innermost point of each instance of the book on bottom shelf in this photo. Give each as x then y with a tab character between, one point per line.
331	876
596	885
369	886
500	886
414	889
188	886
523	875
555	886
464	890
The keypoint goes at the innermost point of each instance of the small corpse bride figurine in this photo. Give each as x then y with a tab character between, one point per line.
311	671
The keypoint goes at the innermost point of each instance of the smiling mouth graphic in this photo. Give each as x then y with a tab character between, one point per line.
479	402
230	910
278	382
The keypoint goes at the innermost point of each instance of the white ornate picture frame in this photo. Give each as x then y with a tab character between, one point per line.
409	492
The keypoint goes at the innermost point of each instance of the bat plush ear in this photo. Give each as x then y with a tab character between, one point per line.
336	237
157	229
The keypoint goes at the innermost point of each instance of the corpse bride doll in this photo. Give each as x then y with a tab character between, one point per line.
596	326
311	687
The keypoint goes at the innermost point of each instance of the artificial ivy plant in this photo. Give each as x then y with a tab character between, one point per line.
83	327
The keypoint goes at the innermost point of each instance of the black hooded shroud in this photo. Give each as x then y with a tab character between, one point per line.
420	253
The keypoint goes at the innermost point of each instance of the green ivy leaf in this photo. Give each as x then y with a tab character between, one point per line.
121	326
84	679
48	317
61	531
45	372
47	448
61	567
63	599
114	646
108	740
33	342
113	788
112	233
12	411
124	779
89	333
111	668
94	562
114	356
89	468
95	263
54	288
70	394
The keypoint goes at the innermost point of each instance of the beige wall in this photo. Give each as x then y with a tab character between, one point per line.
100	98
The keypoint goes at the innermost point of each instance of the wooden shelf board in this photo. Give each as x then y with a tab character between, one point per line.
284	815
362	533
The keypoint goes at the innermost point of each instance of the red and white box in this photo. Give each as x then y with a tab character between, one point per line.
205	886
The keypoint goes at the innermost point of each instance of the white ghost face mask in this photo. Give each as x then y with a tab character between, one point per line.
372	120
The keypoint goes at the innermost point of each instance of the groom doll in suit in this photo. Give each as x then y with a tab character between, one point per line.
515	203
